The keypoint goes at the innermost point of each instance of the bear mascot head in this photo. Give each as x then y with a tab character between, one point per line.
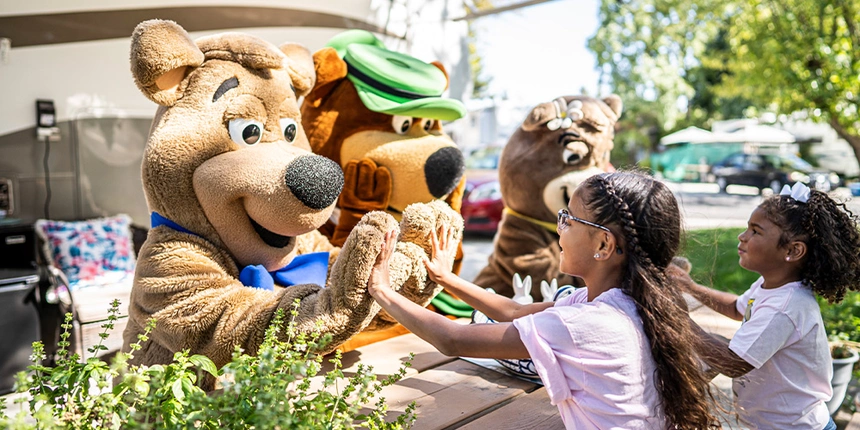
558	145
377	113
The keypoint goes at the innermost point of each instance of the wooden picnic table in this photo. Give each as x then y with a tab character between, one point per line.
451	392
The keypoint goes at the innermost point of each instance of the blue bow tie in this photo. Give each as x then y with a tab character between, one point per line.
304	269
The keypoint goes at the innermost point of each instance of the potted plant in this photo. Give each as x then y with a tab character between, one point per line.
844	357
842	323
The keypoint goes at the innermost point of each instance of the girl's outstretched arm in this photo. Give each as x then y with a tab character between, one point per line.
474	340
720	301
497	307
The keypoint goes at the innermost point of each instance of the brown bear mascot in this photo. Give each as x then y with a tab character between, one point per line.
559	144
237	198
377	113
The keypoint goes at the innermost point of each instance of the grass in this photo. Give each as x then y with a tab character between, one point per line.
713	254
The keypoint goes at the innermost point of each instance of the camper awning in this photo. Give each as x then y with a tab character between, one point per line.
750	134
688	135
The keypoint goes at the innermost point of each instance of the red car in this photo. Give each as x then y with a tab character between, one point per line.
482	202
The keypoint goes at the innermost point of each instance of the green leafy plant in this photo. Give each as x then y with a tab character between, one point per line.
279	387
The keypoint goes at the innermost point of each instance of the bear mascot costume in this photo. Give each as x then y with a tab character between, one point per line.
237	197
558	145
377	113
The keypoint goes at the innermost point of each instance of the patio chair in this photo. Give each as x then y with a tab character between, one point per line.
93	263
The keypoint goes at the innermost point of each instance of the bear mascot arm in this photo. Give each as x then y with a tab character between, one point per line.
230	182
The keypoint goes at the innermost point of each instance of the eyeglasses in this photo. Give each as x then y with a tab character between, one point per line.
564	215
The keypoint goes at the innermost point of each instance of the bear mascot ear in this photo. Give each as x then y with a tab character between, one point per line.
330	69
541	114
441	67
162	55
614	103
300	66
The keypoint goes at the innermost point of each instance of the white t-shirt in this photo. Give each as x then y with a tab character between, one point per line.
595	361
783	337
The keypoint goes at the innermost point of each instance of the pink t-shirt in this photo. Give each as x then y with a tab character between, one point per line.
783	337
595	361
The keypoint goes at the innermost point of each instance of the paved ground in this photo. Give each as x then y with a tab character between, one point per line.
703	206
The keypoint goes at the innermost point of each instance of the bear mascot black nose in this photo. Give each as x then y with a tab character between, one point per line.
443	171
316	181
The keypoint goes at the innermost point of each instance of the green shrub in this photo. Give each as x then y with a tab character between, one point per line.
270	390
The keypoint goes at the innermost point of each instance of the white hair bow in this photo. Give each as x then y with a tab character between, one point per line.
799	192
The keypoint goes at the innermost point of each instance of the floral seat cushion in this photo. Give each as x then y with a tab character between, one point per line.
92	252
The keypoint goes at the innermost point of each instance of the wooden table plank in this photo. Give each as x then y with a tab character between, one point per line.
854	424
387	356
453	393
532	411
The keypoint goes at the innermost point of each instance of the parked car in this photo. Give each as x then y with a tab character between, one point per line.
482	201
770	171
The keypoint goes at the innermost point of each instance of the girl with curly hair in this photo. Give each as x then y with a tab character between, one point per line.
802	243
615	354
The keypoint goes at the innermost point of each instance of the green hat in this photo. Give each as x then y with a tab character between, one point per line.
394	83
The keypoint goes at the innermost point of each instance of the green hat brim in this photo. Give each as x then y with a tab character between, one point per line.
428	107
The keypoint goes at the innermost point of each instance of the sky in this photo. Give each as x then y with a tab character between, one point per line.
538	53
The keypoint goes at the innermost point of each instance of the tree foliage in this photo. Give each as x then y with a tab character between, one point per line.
480	81
799	55
699	60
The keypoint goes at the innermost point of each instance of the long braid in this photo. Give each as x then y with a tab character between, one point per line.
684	391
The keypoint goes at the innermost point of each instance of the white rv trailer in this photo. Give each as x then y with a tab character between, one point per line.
74	53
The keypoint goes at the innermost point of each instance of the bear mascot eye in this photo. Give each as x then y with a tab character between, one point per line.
427	123
288	125
245	132
401	123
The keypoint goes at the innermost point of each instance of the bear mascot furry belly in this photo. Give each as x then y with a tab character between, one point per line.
237	197
558	145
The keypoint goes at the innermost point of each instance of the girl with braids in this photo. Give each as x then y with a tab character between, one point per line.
616	354
802	243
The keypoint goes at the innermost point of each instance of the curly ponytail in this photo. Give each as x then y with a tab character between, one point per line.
647	213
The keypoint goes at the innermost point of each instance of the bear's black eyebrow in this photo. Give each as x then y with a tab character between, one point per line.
227	85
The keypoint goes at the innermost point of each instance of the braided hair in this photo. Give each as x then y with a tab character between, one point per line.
829	230
647	213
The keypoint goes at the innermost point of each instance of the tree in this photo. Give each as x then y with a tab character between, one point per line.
480	82
723	56
799	56
646	50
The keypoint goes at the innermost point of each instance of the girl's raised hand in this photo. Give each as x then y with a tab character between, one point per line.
679	276
442	254
379	274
